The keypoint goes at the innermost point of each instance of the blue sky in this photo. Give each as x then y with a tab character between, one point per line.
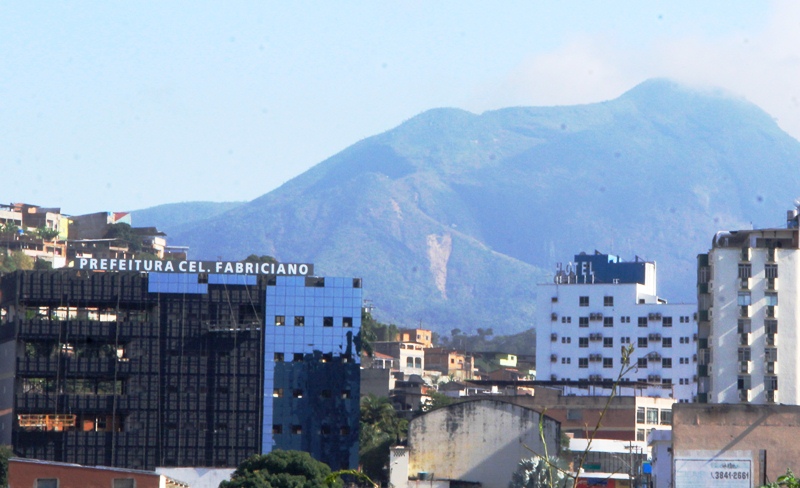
127	105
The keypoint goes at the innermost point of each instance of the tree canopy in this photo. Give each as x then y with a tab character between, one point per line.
380	429
279	469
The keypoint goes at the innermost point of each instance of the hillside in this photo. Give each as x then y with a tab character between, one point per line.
453	218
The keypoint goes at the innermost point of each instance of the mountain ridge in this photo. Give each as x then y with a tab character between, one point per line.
452	217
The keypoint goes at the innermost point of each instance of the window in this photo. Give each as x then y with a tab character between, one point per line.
770	354
583	342
277	393
640	415
583	322
745	271
684	361
277	429
666	342
566	340
770	383
299	321
327	321
297	357
574	414
641	362
280	320
583	301
640	435
418	363
652	415
123	483
47	483
566	360
325	430
666	417
608	301
666	362
642	321
583	362
608	342
347	321
642	343
744	299
625	320
744	354
608	321
608	362
409	362
297	394
743	382
566	320
744	326
771	298
278	357
771	326
345	394
625	339
666	321
344	431
297	429
771	271
554	299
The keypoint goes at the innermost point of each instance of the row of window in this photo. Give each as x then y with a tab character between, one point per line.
608	301
584	362
744	382
609	321
300	321
298	393
744	299
746	271
648	415
642	342
770	354
297	357
298	429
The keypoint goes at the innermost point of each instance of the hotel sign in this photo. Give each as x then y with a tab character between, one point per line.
216	267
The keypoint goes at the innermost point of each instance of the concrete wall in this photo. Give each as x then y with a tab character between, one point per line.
24	473
725	428
479	441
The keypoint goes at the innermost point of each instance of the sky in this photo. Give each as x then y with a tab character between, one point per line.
116	106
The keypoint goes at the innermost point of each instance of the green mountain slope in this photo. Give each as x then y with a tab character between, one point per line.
453	218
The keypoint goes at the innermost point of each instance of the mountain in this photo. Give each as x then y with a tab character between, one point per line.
452	218
165	216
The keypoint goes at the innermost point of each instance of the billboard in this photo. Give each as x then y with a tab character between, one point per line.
216	267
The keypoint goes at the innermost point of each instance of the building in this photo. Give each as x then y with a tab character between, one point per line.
600	304
735	445
409	357
45	474
485	438
421	336
114	363
749	316
450	363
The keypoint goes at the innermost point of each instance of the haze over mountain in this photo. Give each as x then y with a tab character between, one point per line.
453	218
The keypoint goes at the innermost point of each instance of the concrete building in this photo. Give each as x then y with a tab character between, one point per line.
600	304
409	357
25	473
733	445
485	440
420	336
114	363
453	364
659	441
748	286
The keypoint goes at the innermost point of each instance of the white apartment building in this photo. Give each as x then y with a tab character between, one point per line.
598	305
748	310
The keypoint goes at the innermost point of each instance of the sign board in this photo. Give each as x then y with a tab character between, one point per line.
216	267
716	473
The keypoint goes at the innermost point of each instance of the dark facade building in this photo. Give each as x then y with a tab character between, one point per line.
142	369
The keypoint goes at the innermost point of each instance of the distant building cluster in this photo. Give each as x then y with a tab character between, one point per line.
47	235
130	365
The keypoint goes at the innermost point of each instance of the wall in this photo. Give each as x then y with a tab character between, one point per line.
485	441
726	428
24	473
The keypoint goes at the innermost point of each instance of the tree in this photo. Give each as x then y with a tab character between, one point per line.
372	330
124	232
436	400
14	260
786	481
5	453
279	469
536	472
260	259
380	428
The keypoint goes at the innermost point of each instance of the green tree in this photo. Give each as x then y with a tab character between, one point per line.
436	400
786	481
14	260
372	331
5	453
380	428
536	472
260	259
279	469
46	234
124	232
